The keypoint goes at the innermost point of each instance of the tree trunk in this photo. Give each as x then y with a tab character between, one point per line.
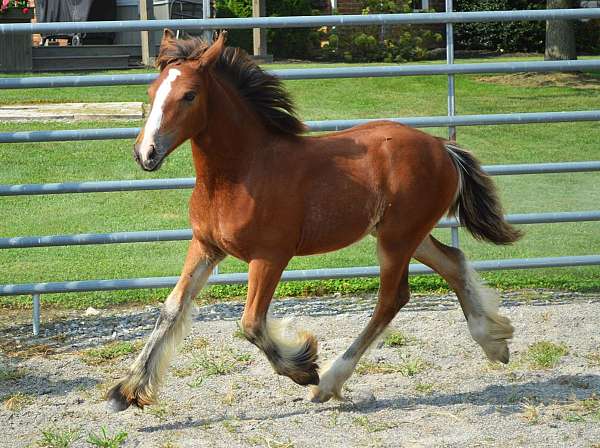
560	34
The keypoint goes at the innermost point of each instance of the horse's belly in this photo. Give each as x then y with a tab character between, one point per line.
333	229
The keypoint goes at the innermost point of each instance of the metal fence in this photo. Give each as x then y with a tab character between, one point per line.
451	120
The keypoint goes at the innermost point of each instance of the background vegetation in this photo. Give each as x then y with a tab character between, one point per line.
511	37
399	43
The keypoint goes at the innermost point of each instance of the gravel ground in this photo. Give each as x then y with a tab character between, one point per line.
434	390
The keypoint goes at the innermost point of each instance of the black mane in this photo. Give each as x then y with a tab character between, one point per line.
264	92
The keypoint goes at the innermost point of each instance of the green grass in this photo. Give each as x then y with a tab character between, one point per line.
317	99
109	352
395	339
408	367
424	388
545	354
104	440
58	438
9	373
372	426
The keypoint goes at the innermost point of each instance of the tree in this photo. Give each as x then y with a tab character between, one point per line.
560	34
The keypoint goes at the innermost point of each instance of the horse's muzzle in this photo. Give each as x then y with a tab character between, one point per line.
151	162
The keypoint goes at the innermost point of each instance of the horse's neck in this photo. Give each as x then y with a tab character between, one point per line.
232	138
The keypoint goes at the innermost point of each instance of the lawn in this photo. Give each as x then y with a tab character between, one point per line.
317	99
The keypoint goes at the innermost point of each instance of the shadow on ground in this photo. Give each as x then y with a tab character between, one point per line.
497	398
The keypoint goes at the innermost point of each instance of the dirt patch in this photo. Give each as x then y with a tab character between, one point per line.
426	385
573	80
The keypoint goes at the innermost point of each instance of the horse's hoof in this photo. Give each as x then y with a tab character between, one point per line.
305	378
504	356
116	401
497	352
318	395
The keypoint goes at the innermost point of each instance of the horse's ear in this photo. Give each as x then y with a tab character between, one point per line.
168	35
213	53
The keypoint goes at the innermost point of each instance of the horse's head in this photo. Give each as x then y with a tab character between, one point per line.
179	104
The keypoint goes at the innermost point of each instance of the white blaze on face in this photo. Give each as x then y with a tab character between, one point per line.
154	120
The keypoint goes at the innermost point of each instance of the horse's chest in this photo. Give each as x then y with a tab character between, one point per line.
237	224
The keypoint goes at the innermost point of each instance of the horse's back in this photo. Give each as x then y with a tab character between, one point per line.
392	155
355	178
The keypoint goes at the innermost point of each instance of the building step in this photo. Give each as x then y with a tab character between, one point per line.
88	50
73	111
63	63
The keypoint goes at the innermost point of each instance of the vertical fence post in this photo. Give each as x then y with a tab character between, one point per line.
451	97
144	35
259	35
36	314
450	60
208	34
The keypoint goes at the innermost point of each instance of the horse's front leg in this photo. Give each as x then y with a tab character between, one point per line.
294	356
140	386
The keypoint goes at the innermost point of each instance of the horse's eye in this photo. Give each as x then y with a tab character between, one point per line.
189	96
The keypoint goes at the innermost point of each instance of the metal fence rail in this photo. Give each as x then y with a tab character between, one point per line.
292	275
301	21
153	236
322	125
108	186
318	73
452	121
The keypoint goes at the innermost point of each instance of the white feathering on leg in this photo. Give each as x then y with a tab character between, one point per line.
332	378
488	328
287	340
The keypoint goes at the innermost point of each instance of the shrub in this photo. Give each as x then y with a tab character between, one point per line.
500	36
587	36
282	43
397	43
516	36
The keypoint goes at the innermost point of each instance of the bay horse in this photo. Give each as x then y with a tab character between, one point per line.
266	192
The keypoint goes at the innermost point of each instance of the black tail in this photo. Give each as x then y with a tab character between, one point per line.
477	203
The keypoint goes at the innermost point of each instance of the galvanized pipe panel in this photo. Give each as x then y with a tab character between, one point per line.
299	21
82	239
189	182
68	135
540	168
462	120
36	314
148	236
295	275
318	126
318	73
98	186
535	218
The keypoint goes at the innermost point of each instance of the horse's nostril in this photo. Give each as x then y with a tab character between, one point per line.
151	152
136	155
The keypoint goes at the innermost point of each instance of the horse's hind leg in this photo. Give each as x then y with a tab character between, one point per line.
141	384
394	293
479	303
294	356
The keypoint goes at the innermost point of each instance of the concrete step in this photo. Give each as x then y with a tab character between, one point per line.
73	111
60	63
88	50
